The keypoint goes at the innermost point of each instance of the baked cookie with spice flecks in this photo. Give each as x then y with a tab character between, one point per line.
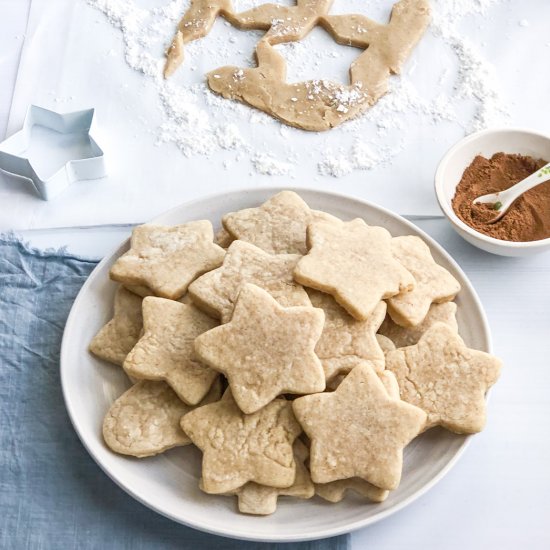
165	351
446	379
145	420
353	262
239	448
167	259
265	350
345	341
261	500
334	491
433	283
216	291
408	336
116	339
278	226
358	430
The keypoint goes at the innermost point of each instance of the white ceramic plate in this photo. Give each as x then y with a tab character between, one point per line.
168	483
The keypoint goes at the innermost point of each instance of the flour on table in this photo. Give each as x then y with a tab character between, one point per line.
200	123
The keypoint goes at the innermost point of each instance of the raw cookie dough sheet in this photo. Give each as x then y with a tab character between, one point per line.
190	142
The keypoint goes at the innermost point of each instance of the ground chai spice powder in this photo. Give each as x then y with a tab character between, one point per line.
528	219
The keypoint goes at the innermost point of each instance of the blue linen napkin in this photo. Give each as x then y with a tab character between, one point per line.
52	494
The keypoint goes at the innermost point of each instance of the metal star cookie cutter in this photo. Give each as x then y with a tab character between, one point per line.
56	136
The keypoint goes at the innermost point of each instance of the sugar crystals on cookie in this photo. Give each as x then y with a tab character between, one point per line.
353	262
165	351
433	283
167	259
238	448
216	292
115	340
265	350
445	378
278	226
358	430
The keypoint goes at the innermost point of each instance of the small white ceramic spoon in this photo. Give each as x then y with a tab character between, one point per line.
504	199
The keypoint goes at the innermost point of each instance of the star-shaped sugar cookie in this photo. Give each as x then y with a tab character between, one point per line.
433	283
167	259
345	341
278	226
445	378
358	430
165	351
353	262
408	336
216	291
261	500
145	420
115	340
238	448
265	350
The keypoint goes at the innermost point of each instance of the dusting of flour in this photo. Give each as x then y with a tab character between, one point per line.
200	123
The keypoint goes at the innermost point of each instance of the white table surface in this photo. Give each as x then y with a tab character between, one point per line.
497	495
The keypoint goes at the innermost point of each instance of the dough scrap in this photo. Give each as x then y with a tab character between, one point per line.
116	339
166	352
408	336
216	291
433	283
278	226
167	259
265	350
238	448
353	262
345	341
314	105
358	430
145	420
445	378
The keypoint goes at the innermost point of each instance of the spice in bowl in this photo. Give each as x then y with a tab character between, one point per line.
528	219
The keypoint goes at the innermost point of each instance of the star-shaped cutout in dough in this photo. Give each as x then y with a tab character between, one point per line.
278	226
433	283
166	352
238	448
345	341
283	23
167	259
320	104
358	430
265	350
314	105
445	378
117	338
216	291
353	262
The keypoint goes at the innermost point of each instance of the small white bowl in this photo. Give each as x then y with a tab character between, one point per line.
458	158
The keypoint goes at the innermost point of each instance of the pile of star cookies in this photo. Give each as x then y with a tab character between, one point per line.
299	352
